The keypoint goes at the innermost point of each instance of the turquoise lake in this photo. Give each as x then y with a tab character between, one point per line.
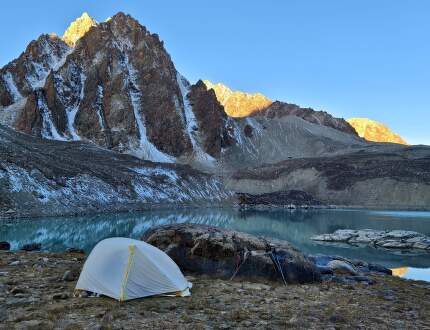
57	234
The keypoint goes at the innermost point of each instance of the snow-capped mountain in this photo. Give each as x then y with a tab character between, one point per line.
116	87
109	89
114	84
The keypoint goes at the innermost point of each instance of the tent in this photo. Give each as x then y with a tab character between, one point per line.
125	269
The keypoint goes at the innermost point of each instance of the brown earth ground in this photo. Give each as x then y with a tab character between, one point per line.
34	295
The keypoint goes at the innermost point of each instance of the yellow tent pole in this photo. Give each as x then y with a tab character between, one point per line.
131	249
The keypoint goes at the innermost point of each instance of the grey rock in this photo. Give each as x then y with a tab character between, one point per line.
16	290
395	239
60	296
69	276
210	250
342	267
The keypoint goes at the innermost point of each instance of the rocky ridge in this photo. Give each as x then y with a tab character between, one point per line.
78	29
374	131
236	103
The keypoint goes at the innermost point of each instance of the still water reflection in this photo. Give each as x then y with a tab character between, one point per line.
56	234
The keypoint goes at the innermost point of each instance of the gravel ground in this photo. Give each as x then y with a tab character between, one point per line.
35	294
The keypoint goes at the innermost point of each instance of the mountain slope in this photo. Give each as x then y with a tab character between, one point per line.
395	177
44	177
374	131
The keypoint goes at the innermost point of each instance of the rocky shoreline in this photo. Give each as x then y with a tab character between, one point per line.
394	239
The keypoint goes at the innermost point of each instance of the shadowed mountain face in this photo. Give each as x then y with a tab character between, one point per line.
43	177
117	87
373	131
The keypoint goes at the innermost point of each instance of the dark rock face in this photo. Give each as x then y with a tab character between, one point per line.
280	109
20	77
118	85
211	118
279	198
219	252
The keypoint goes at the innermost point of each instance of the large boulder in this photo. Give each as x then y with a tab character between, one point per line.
221	252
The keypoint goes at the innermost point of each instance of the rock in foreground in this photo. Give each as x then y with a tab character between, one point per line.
226	253
394	239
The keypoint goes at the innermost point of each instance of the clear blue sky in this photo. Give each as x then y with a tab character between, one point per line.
357	58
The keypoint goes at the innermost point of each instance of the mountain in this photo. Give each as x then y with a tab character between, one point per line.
116	87
374	131
238	104
114	84
89	108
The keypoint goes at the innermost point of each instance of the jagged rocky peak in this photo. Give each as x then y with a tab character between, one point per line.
240	104
78	28
29	71
374	131
280	109
119	88
236	103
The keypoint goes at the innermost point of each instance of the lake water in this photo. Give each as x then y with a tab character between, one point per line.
57	234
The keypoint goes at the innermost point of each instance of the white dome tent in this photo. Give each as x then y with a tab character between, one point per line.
125	269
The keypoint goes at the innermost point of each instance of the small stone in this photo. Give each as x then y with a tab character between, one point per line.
5	246
31	247
60	296
341	267
14	263
83	294
44	259
68	276
256	286
15	290
75	250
